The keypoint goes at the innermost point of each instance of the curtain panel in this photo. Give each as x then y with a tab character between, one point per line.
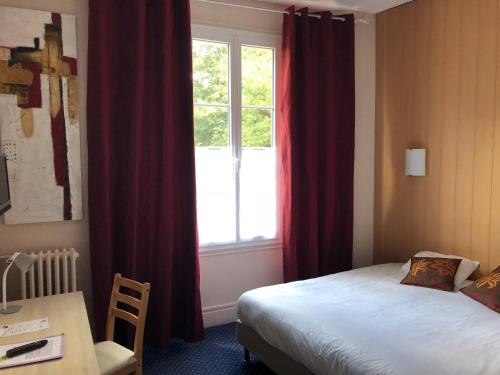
142	199
315	136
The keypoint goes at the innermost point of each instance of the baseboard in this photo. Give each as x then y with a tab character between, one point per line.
219	314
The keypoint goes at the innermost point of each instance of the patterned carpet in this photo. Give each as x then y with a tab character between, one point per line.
219	353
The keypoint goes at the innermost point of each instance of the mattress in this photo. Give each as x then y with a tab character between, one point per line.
365	322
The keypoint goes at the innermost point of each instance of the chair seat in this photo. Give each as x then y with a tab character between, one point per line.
113	357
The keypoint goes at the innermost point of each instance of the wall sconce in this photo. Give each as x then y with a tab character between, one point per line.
415	162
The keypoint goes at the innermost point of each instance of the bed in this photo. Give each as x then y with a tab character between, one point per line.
365	322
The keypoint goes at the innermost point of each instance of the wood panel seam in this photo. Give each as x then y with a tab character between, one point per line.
494	134
460	50
475	131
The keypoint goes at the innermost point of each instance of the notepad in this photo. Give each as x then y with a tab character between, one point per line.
24	327
53	350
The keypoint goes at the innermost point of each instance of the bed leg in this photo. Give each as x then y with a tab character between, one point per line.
246	357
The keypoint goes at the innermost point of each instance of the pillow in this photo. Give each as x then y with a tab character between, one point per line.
486	290
465	284
432	272
466	268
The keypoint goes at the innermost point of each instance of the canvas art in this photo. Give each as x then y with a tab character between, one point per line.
39	128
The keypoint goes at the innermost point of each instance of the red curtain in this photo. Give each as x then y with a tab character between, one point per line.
142	207
316	144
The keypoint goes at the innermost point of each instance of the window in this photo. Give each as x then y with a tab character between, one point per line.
234	90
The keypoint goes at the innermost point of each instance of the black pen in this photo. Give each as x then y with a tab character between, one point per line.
25	348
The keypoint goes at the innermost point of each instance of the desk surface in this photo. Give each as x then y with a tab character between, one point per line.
67	314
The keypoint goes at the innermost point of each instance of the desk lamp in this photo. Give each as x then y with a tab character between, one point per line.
23	261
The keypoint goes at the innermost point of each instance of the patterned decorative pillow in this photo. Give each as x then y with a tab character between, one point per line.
486	290
436	273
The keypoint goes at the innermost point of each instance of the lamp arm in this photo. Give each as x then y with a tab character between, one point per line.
4	287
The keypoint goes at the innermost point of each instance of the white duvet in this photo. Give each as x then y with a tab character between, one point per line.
365	322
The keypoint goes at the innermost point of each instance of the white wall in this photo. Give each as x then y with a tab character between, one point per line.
364	157
226	275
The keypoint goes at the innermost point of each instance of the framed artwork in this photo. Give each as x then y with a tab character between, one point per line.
39	127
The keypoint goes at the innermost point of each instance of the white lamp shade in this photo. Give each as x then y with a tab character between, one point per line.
23	261
415	162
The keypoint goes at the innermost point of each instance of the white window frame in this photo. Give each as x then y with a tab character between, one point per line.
237	39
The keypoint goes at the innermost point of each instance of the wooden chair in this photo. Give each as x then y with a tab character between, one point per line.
112	357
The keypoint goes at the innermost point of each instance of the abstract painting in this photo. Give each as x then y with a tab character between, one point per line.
39	127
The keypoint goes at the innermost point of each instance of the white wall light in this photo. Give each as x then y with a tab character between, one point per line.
415	162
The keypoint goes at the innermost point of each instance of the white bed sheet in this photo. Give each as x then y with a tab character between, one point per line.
365	322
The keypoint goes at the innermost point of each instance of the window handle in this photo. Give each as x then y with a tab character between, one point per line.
237	165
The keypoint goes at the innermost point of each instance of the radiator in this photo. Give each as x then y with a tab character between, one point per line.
54	272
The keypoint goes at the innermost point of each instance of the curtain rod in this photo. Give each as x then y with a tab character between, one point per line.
273	10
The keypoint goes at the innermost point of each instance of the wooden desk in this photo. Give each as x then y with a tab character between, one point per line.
67	314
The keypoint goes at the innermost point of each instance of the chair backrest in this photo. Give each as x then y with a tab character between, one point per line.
140	304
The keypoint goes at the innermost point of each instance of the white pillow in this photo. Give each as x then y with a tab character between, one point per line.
465	268
465	284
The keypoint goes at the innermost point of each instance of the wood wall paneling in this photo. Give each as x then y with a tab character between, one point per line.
483	136
438	87
449	128
494	253
380	95
434	121
417	138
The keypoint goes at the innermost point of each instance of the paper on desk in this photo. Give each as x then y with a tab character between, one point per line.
54	349
24	327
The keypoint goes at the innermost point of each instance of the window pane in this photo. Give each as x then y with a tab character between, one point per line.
257	76
211	126
215	195
256	127
210	72
258	194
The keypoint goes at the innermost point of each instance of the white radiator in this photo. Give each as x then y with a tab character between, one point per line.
45	274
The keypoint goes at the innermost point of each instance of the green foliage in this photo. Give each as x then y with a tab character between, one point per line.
211	127
211	86
256	127
210	72
257	76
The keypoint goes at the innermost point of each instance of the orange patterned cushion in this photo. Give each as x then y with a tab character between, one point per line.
486	290
436	273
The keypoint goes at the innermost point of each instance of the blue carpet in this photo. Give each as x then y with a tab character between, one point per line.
219	353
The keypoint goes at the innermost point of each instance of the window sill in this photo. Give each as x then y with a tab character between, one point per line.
242	247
